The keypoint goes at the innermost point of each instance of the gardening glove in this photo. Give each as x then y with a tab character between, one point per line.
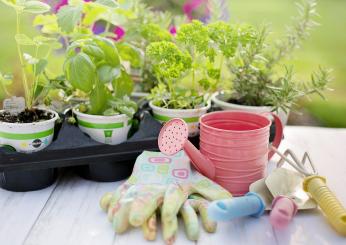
160	181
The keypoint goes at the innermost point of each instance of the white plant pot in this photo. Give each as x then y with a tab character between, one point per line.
111	130
28	137
219	100
190	116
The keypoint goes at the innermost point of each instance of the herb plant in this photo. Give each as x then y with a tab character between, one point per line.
93	67
33	66
148	26
190	69
256	80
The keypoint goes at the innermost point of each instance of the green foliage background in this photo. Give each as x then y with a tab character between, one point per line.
327	46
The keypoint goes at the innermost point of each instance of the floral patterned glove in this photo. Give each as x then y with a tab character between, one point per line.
162	182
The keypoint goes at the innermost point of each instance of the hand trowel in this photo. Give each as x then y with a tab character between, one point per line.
280	192
283	194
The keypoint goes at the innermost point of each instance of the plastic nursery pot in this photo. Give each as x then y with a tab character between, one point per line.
28	137
220	100
28	180
190	116
111	130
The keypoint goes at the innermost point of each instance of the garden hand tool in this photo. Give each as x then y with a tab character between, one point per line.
316	186
280	192
288	196
159	180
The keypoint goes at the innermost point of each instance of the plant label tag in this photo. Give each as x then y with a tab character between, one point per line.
14	105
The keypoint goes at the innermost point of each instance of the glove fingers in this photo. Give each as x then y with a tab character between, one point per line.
105	201
169	229
174	198
122	209
190	221
145	204
149	228
201	206
121	217
114	206
209	189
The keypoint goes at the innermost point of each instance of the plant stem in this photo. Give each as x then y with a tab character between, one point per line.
193	78
34	87
107	26
5	89
220	67
25	81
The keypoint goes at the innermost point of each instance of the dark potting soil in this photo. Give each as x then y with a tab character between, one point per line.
26	116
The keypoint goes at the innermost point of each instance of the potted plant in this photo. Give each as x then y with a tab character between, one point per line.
258	85
93	68
187	74
23	126
148	26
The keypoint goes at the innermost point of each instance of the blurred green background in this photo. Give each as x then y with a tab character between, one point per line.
326	47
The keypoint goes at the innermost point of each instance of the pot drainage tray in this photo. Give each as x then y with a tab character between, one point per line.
72	148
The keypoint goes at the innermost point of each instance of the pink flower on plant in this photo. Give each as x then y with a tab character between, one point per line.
190	6
59	5
173	30
119	32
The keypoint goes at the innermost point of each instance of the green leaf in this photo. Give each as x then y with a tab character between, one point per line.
92	13
107	73
23	39
40	66
123	105
68	17
11	3
130	53
94	51
108	3
123	85
47	22
98	99
35	7
5	80
128	111
110	51
39	40
80	72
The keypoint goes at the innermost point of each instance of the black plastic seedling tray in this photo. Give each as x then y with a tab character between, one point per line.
72	148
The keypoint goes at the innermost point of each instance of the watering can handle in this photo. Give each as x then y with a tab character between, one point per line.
279	130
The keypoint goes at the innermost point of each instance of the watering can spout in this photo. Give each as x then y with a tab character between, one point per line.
199	161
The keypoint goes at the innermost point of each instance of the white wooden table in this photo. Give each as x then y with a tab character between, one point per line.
68	212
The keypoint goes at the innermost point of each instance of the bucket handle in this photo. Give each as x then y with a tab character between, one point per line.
278	133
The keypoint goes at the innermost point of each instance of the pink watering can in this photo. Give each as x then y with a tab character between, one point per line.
234	146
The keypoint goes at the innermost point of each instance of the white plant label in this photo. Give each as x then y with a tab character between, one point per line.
14	105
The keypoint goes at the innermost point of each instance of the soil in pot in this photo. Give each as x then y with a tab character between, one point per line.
26	116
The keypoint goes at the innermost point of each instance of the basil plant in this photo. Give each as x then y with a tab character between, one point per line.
93	68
